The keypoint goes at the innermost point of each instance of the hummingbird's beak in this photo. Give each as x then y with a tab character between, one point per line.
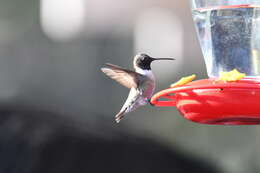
163	59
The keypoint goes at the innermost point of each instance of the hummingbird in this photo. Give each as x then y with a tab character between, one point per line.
141	82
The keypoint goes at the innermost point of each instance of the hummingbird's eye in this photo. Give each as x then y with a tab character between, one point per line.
141	58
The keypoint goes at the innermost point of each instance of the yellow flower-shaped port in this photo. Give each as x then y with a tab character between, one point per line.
183	81
231	76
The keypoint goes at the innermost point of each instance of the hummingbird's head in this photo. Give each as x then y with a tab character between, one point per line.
143	61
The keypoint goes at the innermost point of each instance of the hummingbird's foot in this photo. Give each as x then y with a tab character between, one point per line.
149	101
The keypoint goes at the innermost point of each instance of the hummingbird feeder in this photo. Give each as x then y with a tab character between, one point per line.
229	39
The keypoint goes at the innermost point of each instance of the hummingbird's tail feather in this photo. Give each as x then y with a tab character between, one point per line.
120	116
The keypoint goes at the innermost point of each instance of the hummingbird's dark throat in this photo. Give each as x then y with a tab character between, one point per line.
144	64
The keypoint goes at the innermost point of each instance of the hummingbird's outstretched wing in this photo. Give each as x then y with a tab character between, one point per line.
124	76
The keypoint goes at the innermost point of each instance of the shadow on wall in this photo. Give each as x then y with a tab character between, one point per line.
37	141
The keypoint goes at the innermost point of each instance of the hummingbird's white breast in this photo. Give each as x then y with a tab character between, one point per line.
147	73
148	85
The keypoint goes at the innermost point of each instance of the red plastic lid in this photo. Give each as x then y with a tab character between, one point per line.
209	101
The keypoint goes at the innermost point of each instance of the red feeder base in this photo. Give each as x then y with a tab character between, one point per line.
215	102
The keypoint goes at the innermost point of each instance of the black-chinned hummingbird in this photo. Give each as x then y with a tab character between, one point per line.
141	82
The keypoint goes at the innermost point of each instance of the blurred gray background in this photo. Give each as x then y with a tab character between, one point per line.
51	52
